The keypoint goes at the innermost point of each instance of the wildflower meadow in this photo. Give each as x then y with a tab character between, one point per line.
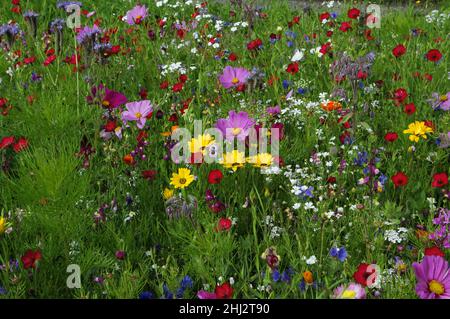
237	149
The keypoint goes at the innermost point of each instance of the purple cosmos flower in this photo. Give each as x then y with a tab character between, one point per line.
113	99
433	278
236	125
65	4
275	110
136	15
202	294
352	291
440	102
87	33
137	111
232	77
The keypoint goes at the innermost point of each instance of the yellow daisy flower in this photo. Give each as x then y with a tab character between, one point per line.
167	193
2	224
182	179
417	130
199	144
262	160
233	160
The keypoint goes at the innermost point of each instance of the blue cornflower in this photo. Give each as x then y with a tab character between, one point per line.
285	84
285	276
361	159
167	293
339	253
276	275
186	282
65	4
301	91
146	295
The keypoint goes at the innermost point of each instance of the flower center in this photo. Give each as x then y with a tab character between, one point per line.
235	81
106	103
436	287
443	98
138	115
236	131
138	19
349	294
182	181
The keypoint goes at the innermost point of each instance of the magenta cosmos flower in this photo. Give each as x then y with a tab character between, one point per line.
113	99
136	15
433	278
137	111
232	77
236	125
352	291
202	294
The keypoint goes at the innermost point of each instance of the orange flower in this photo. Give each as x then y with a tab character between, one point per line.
422	234
331	106
308	277
128	159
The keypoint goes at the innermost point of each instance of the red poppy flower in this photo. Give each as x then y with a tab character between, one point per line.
400	95
391	137
215	176
324	16
434	55
177	87
399	50
399	179
362	275
254	45
6	141
232	57
353	13
164	85
224	224
345	26
292	68
183	78
410	108
49	60
224	291
149	174
29	60
439	180
434	251
30	258
20	145
368	35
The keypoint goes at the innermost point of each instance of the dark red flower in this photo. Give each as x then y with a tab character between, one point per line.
224	291
232	57
215	176
254	45
292	68
400	95
224	224
30	258
324	16
439	180
182	78
149	174
177	87
391	137
331	180
410	108
345	26
353	13
434	251
164	85
434	55
399	179
399	50
49	60
362	275
6	142
20	145
217	206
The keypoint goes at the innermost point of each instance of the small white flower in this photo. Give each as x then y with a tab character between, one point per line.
311	260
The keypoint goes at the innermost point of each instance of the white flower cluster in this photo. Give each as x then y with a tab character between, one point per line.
396	236
172	68
438	18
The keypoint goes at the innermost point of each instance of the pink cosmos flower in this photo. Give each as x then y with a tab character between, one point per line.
433	278
136	15
202	294
113	99
232	77
352	291
236	125
137	111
